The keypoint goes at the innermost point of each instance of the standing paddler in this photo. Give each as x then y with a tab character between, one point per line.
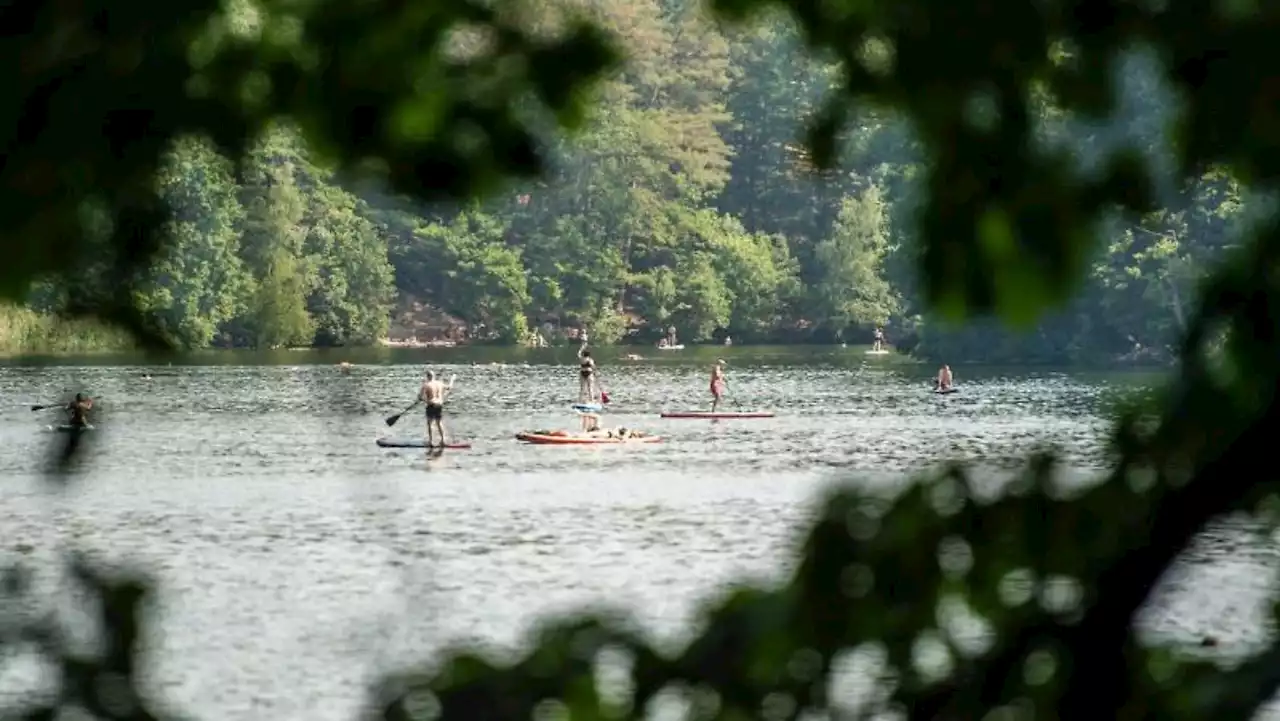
944	380
433	393
78	411
717	383
586	374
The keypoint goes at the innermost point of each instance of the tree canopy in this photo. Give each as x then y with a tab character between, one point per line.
682	200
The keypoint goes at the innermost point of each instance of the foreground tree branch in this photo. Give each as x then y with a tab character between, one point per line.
1055	575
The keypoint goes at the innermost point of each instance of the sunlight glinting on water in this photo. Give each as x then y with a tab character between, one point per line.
295	557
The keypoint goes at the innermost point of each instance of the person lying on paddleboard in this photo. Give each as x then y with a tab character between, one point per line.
586	375
619	433
433	393
78	410
943	381
626	433
717	383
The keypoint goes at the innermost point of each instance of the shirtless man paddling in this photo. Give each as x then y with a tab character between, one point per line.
717	384
433	393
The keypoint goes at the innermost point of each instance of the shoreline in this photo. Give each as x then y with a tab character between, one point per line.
397	353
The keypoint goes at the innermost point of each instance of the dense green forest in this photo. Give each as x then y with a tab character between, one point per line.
687	202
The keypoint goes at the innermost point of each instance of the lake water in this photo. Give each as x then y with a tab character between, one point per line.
296	558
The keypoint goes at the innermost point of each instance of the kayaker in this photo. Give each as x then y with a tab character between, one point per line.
717	383
943	381
433	393
586	375
78	410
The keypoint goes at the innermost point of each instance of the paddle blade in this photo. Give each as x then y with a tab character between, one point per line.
604	397
391	420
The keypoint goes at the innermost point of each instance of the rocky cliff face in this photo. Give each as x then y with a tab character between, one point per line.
412	320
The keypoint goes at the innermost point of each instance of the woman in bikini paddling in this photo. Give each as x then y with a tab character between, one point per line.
717	384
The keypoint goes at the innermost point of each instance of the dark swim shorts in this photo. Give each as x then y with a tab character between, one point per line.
435	411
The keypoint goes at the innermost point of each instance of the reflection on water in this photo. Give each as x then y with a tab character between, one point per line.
296	557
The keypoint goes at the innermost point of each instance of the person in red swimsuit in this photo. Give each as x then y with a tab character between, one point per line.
717	383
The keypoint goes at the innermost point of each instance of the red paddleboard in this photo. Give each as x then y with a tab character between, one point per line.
717	414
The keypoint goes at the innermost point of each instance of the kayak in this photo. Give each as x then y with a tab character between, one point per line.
68	428
415	443
587	407
564	438
717	414
948	391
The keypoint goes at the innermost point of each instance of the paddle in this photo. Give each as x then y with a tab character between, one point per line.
733	398
394	419
604	395
48	406
391	420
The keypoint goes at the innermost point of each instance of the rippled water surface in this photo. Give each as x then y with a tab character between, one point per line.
296	557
